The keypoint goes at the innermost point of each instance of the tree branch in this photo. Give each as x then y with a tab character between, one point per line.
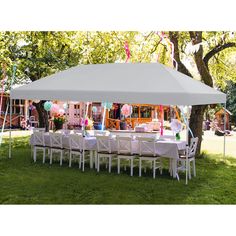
216	50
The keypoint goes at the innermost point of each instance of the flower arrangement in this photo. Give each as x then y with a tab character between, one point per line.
87	123
58	121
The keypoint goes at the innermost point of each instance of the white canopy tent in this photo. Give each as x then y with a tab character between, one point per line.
149	83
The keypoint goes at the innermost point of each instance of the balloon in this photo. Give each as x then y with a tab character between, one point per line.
55	108
65	106
176	125
61	111
126	110
108	105
47	105
94	109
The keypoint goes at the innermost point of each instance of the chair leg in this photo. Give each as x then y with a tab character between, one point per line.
118	165
140	167
44	150
51	157
80	160
131	167
35	150
154	169
83	160
109	166
194	168
98	163
91	159
95	160
189	169
70	159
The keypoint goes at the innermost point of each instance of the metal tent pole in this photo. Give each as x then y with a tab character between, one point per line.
224	127
10	128
187	124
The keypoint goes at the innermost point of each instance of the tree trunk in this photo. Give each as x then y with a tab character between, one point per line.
196	122
43	116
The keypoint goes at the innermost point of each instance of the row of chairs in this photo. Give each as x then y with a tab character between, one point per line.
147	151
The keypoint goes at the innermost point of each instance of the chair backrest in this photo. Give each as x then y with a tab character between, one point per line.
56	140
193	147
76	142
146	146
170	137
38	138
31	118
124	145
38	130
103	144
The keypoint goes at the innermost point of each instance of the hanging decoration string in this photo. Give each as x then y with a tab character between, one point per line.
166	40
127	51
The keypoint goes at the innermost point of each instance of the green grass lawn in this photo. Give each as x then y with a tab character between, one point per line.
25	182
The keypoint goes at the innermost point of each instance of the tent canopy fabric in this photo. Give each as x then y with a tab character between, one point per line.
144	83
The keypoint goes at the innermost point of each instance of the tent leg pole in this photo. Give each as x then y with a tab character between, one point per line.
224	129
187	124
10	141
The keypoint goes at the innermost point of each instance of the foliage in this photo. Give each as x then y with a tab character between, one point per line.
231	99
26	182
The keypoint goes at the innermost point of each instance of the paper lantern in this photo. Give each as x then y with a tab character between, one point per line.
55	108
36	101
108	105
94	109
47	105
126	110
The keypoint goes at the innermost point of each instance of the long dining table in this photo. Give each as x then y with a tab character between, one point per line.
165	148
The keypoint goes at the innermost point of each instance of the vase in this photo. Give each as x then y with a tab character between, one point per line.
58	126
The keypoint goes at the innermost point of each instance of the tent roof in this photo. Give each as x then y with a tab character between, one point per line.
149	83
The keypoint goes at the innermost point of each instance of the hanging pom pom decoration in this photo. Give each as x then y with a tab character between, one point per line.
47	106
126	110
107	105
94	109
55	108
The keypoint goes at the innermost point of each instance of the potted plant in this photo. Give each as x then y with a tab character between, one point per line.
58	121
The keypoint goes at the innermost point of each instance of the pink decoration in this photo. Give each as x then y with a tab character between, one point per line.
55	108
164	38
127	51
61	111
162	116
86	122
126	110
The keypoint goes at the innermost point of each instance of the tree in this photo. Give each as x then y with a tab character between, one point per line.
202	62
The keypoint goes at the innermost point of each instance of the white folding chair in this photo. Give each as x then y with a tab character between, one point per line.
124	146
186	159
76	147
104	151
56	145
33	122
147	152
39	144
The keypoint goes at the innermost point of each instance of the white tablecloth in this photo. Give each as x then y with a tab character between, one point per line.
168	148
